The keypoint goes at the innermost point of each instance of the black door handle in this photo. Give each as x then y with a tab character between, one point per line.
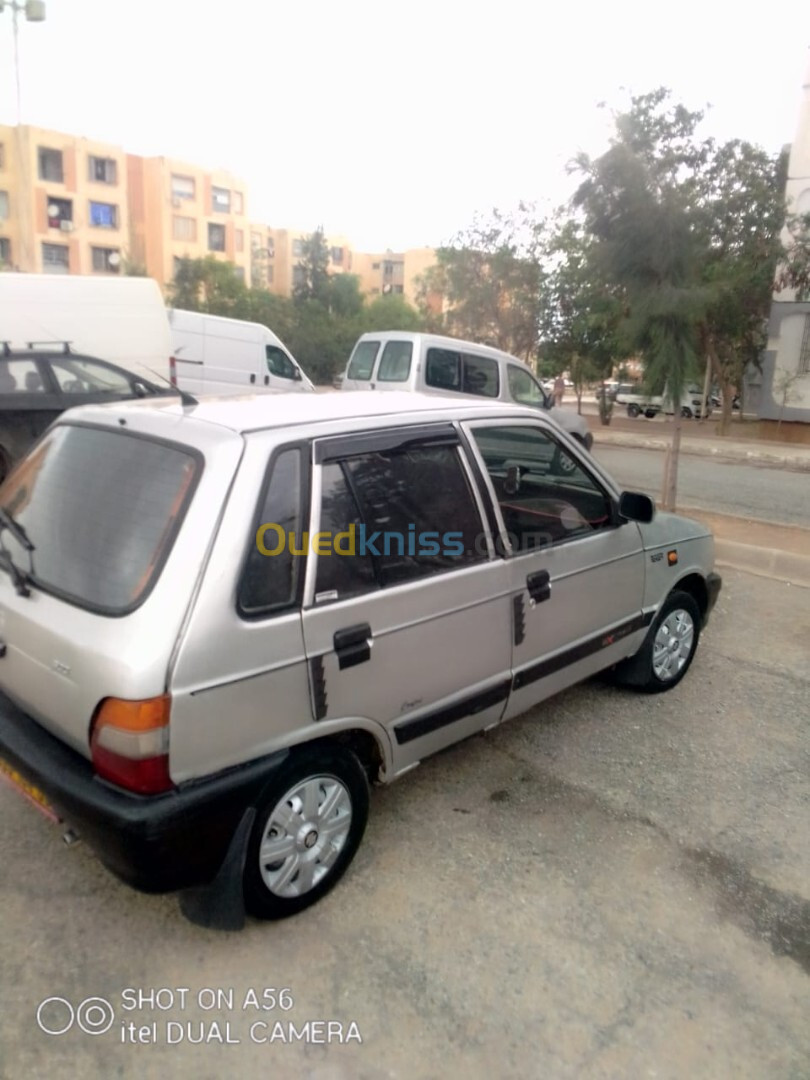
353	645
267	380
253	378
539	586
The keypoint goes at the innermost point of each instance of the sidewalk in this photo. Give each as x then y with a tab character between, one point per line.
793	456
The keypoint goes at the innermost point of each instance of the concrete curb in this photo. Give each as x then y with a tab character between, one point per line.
797	461
765	562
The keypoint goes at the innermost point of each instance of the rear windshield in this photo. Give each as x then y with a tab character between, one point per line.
362	361
102	509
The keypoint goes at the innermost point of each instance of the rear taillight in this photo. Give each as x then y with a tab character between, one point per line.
129	743
173	371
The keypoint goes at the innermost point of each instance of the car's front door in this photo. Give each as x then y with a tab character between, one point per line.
407	613
577	569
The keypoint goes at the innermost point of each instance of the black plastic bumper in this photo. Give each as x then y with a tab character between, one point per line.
155	843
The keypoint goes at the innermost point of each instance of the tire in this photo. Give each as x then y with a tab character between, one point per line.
658	665
5	464
686	412
313	849
651	413
633	410
563	464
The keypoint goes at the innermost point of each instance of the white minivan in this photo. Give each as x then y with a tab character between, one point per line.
400	360
215	355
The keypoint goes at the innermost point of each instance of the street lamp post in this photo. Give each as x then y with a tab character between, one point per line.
34	11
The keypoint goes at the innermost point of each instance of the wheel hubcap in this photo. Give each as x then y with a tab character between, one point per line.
304	835
673	644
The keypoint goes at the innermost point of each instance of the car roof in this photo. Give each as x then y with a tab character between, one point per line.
278	409
442	342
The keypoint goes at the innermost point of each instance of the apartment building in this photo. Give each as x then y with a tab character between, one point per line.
178	210
63	203
276	257
396	273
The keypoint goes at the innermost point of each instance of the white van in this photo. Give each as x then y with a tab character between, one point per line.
119	319
215	355
399	360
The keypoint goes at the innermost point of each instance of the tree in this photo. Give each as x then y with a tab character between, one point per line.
784	383
491	279
677	224
391	313
209	285
312	272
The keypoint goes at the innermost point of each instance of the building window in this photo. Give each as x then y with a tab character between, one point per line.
5	251
269	275
104	215
238	202
336	255
184	228
60	214
105	260
804	352
183	187
388	269
375	266
239	239
398	289
299	277
103	170
50	165
3	205
297	249
220	200
2	156
239	271
55	259
375	292
216	237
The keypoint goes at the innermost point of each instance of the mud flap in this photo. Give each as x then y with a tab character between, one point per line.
220	905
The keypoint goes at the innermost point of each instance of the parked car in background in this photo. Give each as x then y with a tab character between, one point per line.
200	690
40	382
396	360
217	355
122	320
640	403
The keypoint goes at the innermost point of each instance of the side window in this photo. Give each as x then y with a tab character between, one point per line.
443	369
524	389
343	570
396	516
278	363
395	362
276	556
480	376
362	361
545	497
20	377
87	377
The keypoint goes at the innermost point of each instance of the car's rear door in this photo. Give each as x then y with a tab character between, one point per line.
406	615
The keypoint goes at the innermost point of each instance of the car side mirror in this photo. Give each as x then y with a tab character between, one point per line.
296	375
511	484
139	389
633	506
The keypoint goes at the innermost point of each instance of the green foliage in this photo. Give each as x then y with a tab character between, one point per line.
313	282
319	329
491	278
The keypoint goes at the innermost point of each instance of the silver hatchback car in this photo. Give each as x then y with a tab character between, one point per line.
219	622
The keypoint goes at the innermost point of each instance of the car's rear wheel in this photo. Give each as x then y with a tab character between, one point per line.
633	410
669	648
308	827
686	412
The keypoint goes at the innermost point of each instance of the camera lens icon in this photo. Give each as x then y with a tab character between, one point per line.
56	1016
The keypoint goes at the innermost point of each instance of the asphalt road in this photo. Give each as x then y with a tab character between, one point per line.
613	885
745	490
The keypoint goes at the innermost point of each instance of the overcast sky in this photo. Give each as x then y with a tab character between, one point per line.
394	123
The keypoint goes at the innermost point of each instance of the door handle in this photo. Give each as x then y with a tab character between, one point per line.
353	645
267	380
539	586
253	378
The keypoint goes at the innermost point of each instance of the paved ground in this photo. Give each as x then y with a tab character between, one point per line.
772	494
611	886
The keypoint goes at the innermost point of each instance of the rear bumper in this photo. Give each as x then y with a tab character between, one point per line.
155	843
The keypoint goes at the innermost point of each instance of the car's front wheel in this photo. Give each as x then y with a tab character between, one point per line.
633	410
308	827
669	648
